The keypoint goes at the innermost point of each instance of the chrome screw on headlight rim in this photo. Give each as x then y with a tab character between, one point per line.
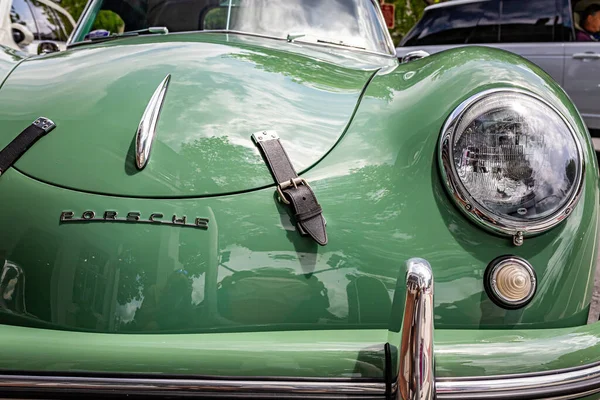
511	162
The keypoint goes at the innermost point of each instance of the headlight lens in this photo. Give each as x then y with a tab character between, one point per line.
511	162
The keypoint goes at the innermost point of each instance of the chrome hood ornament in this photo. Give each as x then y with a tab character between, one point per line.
146	130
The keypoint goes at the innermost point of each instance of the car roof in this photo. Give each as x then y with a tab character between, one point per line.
452	4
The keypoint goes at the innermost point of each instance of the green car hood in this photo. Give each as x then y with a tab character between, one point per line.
221	91
251	270
9	58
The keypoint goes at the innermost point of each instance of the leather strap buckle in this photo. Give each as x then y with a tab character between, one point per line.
281	186
292	190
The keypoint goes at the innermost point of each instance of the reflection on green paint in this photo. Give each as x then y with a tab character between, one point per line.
270	296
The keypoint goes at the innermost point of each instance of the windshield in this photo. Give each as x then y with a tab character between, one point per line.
349	23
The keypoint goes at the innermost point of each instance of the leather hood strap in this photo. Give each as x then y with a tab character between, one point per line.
24	140
292	189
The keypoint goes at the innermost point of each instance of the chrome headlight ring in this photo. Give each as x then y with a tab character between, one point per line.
481	165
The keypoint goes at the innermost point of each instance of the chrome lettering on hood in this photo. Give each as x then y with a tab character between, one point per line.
133	217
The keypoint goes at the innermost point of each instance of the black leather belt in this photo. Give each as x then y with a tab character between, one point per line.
292	189
19	145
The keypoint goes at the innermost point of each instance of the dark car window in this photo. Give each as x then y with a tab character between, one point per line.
20	13
530	21
48	25
565	28
464	23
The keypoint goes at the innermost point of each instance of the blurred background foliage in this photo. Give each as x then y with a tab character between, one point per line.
106	19
74	7
407	14
110	21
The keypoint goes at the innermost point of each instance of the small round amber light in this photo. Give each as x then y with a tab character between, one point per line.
510	282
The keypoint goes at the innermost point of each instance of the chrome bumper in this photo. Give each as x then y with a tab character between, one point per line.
415	380
572	383
568	384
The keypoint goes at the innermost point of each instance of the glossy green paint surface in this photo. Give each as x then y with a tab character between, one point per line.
221	91
251	271
9	58
501	352
384	203
327	354
323	354
403	112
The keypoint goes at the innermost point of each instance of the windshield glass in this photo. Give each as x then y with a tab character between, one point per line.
349	23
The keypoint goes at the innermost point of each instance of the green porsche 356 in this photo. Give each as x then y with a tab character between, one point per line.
255	198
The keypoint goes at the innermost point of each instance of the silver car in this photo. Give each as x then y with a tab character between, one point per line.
544	31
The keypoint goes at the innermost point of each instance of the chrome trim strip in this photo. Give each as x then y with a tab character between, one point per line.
383	26
182	386
465	202
84	15
416	377
414	55
594	313
569	384
146	132
564	384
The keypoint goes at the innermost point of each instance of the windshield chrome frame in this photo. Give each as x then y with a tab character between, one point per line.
389	44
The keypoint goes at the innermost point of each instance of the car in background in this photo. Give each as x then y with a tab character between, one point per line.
542	31
25	24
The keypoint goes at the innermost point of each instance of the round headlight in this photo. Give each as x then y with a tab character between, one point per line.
511	162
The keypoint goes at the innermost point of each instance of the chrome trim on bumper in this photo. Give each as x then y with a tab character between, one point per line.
569	383
594	314
201	387
416	377
564	384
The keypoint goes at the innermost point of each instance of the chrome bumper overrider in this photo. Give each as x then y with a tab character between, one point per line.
415	380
